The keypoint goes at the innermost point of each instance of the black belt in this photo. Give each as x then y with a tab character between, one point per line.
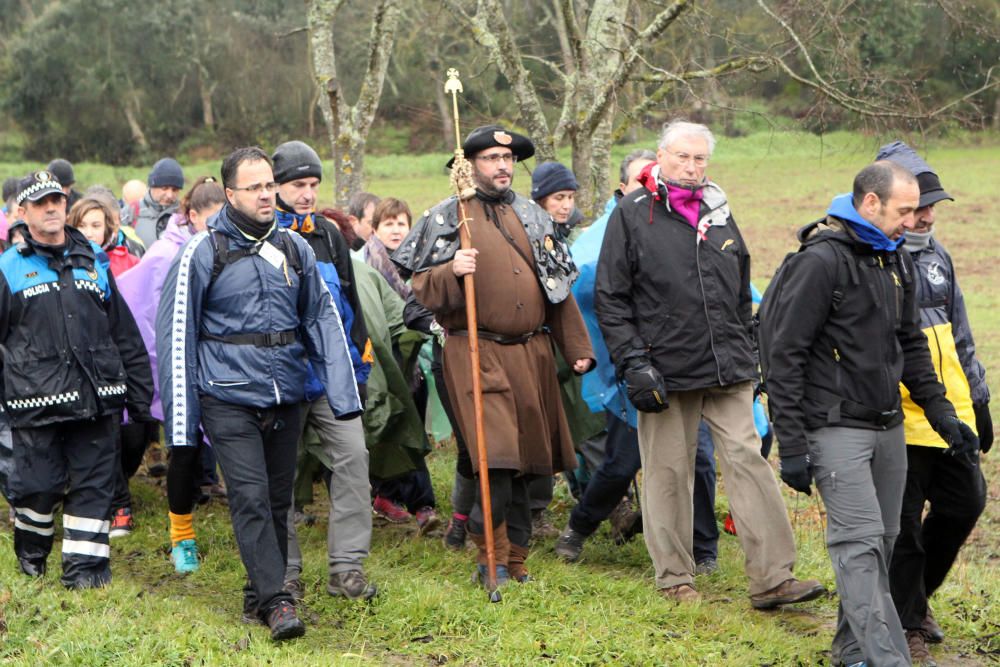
500	338
256	339
843	407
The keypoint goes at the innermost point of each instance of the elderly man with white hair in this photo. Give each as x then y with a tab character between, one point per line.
673	300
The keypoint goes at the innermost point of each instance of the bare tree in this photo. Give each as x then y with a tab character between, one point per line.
348	125
608	48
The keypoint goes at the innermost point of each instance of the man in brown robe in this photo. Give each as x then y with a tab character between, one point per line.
522	309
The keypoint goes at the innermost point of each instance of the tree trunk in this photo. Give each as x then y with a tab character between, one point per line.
348	126
205	90
132	111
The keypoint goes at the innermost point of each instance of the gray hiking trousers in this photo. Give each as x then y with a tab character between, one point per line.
861	475
342	450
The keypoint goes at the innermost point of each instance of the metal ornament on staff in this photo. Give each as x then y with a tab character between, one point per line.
461	182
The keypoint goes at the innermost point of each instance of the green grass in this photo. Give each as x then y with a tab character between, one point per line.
603	610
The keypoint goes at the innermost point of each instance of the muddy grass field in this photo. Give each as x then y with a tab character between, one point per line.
601	611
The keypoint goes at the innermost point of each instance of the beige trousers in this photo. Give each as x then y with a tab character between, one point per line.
668	443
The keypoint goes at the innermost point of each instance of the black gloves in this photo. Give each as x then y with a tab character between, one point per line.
644	385
796	472
960	438
984	426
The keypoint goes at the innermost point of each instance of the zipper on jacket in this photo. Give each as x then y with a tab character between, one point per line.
704	301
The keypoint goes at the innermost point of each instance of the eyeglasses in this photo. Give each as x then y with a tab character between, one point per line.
685	158
257	188
498	157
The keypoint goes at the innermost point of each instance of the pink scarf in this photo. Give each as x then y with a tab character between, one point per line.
686	202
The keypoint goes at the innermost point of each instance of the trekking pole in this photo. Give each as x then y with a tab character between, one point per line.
461	181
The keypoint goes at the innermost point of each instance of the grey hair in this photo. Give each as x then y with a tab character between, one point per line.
682	128
640	154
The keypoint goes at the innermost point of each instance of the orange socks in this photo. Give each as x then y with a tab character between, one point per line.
181	528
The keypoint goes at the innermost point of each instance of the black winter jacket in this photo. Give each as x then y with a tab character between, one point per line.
71	349
844	329
663	292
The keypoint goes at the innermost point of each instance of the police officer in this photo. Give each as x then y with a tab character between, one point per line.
73	358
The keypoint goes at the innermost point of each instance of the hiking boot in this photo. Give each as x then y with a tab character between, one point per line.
295	588
728	525
541	526
427	520
185	556
351	584
32	568
454	538
569	546
156	461
625	522
706	567
251	613
215	491
284	622
932	631
681	593
390	511
515	564
479	576
301	518
121	523
919	654
788	592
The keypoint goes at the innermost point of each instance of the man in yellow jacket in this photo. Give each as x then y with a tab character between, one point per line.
953	485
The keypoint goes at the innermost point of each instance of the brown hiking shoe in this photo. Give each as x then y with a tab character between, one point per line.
541	525
919	654
681	593
932	631
788	592
625	522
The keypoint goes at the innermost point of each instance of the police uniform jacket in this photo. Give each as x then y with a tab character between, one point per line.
71	349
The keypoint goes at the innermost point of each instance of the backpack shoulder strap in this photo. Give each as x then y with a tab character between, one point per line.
220	246
291	253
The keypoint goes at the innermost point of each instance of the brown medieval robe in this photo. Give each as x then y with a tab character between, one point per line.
526	428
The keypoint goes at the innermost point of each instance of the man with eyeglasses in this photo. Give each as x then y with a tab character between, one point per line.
673	300
244	309
523	276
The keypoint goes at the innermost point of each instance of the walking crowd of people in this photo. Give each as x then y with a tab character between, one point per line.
270	343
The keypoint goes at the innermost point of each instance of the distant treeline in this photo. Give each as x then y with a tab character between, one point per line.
119	81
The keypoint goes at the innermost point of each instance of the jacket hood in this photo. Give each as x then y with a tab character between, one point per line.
842	207
177	231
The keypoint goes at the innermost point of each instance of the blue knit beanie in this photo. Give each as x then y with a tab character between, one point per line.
166	173
550	177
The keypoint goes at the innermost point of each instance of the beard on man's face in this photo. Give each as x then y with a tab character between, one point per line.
489	185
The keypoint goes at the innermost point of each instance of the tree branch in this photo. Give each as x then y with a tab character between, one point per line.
621	75
753	63
383	36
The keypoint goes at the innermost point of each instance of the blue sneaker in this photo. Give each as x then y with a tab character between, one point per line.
857	664
185	556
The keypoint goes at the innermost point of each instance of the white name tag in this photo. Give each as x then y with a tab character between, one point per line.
272	255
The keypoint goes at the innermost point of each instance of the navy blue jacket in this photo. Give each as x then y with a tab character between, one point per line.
249	296
71	349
